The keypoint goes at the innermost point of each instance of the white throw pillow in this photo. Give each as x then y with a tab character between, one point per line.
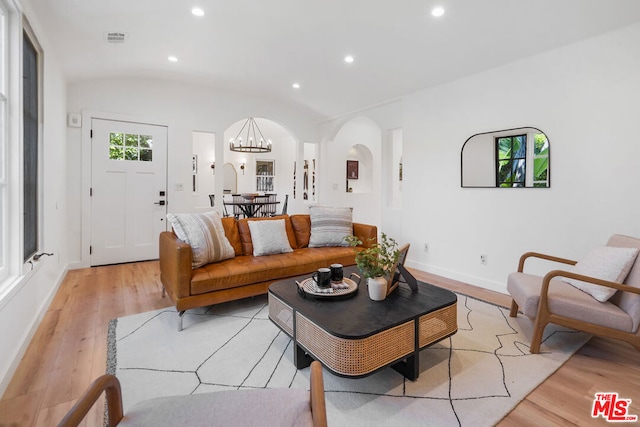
607	263
205	233
269	237
330	225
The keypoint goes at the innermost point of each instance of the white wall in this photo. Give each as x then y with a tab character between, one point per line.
184	108
585	98
21	312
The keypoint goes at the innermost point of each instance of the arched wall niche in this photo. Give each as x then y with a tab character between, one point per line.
357	140
364	184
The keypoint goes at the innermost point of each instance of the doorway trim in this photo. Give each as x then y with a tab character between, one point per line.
87	116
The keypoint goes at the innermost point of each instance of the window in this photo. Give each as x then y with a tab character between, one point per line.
4	146
265	174
130	147
540	170
519	164
20	139
511	152
30	108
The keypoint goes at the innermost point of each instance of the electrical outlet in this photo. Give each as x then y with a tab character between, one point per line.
483	259
426	247
179	187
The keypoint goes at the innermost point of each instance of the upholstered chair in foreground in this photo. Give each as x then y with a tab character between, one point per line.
259	407
600	294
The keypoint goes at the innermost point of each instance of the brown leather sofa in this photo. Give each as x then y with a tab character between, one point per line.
245	275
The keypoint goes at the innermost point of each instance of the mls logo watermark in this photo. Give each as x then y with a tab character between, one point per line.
612	408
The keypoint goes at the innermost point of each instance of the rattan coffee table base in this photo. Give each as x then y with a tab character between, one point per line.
397	345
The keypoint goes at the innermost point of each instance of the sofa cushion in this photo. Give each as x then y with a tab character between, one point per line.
245	233
606	263
525	290
205	234
263	407
248	270
230	225
302	229
330	225
269	237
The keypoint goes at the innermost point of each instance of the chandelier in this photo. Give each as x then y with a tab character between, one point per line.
252	142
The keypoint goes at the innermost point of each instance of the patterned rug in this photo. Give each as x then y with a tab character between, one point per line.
473	378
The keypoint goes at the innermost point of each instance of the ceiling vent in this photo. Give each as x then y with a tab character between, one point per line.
116	37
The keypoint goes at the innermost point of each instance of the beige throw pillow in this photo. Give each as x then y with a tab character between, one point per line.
607	263
269	237
205	233
330	225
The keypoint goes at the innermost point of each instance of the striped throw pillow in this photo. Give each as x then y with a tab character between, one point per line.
205	234
330	225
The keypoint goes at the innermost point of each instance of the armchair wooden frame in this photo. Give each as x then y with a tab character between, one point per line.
111	386
545	316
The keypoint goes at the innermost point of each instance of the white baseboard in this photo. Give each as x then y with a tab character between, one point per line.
471	280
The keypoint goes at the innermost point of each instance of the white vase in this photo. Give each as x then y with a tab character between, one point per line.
377	288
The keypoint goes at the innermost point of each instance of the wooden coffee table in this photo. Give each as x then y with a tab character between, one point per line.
355	337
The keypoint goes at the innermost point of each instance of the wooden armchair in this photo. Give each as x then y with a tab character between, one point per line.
549	300
265	407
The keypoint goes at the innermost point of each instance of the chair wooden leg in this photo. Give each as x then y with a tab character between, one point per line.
514	309
536	339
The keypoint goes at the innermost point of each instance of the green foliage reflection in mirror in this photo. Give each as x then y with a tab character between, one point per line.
510	158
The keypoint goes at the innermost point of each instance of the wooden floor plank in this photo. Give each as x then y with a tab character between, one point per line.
69	349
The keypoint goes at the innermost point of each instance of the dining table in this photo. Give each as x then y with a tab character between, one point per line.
251	205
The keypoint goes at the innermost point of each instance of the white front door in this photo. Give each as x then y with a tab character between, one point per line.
128	190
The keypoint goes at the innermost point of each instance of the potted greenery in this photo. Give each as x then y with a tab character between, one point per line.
376	263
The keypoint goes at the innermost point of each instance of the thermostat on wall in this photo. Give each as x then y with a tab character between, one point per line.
74	120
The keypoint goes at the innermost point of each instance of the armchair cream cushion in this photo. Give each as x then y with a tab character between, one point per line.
607	263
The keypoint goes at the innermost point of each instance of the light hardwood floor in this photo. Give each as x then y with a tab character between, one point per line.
69	350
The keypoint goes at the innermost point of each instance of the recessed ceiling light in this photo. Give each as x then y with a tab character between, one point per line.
296	85
437	11
172	58
348	59
197	11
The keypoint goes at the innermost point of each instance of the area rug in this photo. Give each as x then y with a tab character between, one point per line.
473	378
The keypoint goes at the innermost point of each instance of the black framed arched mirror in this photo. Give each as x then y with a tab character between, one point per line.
510	158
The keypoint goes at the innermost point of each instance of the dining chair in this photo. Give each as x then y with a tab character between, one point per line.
237	210
284	207
270	209
224	207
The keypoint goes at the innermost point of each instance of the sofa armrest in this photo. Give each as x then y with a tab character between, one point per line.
175	265
367	234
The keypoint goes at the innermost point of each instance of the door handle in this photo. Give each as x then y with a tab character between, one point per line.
161	203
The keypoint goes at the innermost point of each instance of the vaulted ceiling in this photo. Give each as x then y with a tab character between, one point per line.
263	47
